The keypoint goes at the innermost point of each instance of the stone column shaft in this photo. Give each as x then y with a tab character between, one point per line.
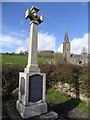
32	55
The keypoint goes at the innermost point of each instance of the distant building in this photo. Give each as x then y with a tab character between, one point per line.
79	59
46	51
66	48
26	52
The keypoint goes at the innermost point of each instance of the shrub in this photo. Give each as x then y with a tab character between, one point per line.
84	80
75	75
61	72
10	77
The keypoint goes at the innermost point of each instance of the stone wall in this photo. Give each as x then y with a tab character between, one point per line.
68	90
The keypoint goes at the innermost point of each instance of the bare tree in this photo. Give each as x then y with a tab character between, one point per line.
83	51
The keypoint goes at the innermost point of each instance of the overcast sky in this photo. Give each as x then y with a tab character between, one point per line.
57	16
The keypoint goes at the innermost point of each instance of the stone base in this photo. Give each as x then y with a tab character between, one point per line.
32	68
49	116
32	110
13	114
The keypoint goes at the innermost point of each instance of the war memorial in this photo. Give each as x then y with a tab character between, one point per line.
32	83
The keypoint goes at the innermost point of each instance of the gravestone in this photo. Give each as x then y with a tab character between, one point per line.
32	83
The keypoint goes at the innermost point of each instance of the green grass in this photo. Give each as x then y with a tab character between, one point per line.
56	97
53	96
41	60
0	57
21	59
16	59
82	105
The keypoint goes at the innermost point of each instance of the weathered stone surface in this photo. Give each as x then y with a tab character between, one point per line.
50	115
13	114
32	110
66	89
66	85
77	114
32	68
32	83
22	86
33	87
35	21
66	48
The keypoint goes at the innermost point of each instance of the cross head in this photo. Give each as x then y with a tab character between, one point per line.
32	14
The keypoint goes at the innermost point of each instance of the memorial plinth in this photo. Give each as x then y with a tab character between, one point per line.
32	83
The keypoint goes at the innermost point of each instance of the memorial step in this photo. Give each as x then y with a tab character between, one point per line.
14	115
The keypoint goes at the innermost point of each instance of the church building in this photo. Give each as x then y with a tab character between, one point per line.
66	48
78	59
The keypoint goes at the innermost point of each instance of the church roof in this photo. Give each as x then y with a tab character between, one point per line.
80	56
66	36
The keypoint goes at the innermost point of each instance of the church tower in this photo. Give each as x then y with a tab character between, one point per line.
66	48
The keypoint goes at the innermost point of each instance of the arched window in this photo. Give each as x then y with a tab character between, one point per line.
80	62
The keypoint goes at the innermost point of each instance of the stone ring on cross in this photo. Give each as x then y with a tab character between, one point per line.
32	14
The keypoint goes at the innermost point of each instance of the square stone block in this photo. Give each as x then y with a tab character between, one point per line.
32	110
32	88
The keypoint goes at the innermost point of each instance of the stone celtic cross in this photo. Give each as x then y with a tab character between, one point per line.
32	83
32	14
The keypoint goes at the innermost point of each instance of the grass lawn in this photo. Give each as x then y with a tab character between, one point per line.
56	97
16	59
53	96
21	59
0	57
